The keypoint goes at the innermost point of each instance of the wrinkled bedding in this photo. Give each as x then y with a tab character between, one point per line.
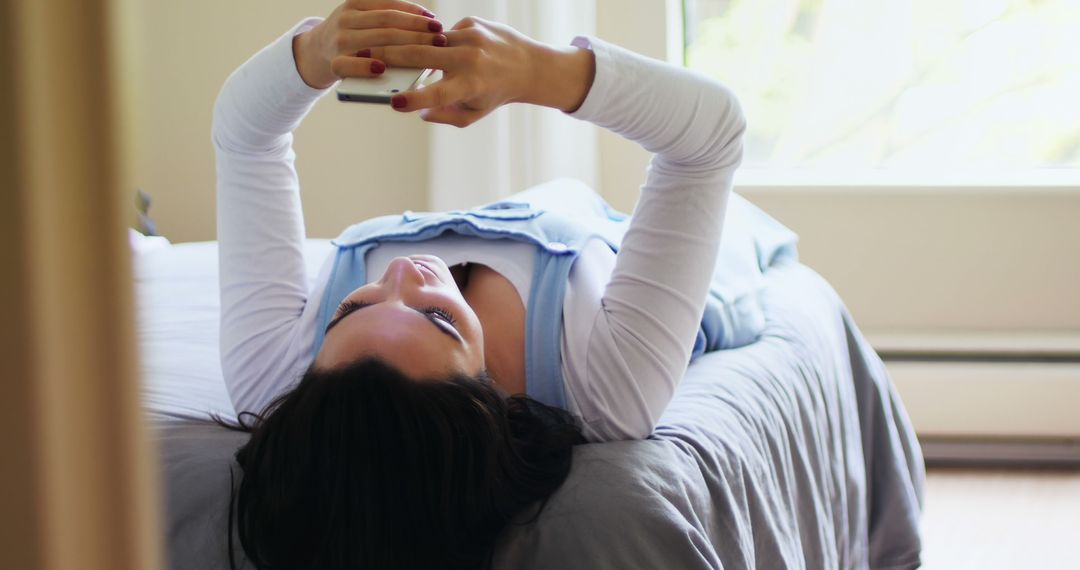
792	452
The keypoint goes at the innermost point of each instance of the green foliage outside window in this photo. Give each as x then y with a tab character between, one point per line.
897	84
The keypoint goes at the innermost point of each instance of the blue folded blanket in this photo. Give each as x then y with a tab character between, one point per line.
752	242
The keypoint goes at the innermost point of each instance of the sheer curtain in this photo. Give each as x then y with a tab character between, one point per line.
517	146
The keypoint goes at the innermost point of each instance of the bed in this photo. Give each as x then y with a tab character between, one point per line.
791	452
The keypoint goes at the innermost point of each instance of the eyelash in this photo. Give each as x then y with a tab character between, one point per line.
443	314
350	306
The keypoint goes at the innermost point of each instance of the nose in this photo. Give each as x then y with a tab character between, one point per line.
402	272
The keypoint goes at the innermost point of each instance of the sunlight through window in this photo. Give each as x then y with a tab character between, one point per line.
894	86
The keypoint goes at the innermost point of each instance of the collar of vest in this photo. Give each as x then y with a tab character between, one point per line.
502	220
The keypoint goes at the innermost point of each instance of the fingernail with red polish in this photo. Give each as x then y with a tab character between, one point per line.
434	26
427	14
378	67
439	41
364	53
398	101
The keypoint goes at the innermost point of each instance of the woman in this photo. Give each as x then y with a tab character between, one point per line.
441	397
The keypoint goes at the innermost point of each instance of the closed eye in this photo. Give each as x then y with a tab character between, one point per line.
435	315
344	310
442	314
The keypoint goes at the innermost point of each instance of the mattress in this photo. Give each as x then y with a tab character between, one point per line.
792	452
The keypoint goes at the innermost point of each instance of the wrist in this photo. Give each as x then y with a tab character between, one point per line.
562	77
315	71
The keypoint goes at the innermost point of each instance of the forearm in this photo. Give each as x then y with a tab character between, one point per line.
562	77
682	116
264	100
262	276
653	303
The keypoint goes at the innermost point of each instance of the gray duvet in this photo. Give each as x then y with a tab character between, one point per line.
792	452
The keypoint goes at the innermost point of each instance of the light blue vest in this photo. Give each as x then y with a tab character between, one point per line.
559	218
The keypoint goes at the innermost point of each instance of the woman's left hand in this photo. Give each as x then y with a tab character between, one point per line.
487	65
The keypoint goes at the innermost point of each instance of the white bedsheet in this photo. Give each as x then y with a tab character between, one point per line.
177	318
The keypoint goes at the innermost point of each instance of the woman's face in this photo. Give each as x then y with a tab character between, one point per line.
413	318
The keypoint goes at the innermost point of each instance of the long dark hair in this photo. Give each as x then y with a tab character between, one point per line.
363	467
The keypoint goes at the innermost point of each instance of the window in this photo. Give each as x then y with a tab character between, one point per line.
887	85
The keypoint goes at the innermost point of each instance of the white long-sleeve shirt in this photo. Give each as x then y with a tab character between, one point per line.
629	319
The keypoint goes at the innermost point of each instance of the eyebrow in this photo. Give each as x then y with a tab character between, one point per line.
448	330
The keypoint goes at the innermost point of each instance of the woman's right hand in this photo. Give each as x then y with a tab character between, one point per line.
340	46
487	65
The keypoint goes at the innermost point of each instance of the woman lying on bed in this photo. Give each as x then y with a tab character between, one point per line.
429	387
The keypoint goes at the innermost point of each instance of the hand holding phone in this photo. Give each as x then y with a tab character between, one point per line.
486	65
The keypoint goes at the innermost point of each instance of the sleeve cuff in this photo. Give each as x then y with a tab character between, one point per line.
596	99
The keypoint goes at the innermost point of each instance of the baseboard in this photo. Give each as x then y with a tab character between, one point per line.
967	452
988	398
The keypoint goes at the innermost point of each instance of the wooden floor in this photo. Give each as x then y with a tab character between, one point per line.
996	519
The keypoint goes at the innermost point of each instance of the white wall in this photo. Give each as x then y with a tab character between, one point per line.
354	160
357	161
623	163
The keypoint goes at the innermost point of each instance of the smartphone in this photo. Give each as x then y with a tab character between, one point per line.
380	89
